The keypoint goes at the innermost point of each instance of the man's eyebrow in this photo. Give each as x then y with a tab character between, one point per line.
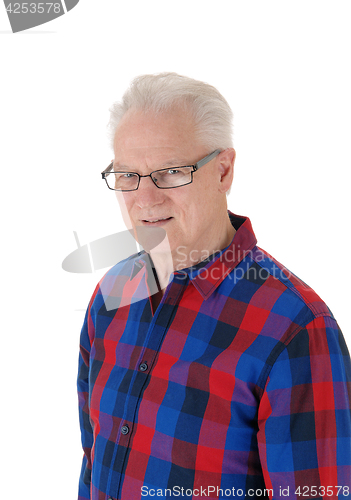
170	163
119	166
176	163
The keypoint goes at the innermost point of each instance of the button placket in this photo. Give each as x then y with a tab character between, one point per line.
173	293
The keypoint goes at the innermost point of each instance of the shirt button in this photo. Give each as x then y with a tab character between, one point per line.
143	367
125	429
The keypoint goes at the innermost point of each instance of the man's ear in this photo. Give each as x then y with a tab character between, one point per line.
226	161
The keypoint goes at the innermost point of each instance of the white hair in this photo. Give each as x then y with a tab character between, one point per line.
160	92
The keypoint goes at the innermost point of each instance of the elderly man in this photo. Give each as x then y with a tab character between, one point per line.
207	369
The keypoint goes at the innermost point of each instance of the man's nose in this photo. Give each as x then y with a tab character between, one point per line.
148	194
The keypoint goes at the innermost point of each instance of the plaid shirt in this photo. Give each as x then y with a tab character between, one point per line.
238	384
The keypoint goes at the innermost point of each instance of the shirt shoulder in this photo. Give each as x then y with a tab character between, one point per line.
125	266
110	286
291	282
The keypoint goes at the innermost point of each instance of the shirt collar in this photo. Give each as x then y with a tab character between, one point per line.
207	278
207	275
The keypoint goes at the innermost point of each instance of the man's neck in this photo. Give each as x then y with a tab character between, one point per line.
167	262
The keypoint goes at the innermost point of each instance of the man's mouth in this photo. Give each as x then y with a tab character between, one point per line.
159	220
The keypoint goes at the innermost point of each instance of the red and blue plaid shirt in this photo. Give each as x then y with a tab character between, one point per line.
237	385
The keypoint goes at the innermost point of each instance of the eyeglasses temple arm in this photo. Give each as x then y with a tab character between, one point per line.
207	159
107	169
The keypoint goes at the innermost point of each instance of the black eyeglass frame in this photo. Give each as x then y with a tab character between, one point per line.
195	167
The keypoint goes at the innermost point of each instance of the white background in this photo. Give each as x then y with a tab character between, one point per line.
284	67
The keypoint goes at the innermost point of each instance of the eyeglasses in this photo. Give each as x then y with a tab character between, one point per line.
166	178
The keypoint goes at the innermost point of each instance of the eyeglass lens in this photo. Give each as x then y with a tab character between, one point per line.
167	178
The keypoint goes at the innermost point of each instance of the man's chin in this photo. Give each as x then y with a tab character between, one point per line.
163	248
151	238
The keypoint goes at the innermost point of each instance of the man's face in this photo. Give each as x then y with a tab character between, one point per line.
145	142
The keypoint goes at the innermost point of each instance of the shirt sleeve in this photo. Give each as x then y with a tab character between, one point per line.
304	424
86	337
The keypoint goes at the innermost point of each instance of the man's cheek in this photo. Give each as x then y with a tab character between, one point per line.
125	206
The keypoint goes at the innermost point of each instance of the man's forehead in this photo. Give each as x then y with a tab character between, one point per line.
150	156
148	128
160	139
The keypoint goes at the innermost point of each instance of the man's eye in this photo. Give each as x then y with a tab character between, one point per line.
128	175
172	171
